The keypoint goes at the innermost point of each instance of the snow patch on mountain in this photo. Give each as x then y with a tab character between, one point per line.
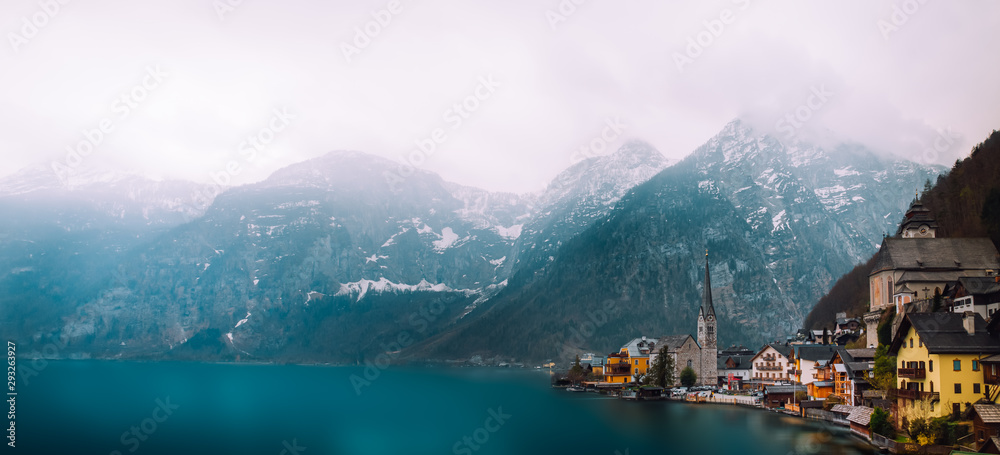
448	238
509	233
363	287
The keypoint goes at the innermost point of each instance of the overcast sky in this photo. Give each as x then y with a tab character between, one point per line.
548	81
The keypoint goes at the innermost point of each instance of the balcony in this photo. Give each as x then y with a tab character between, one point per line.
770	368
917	395
618	369
912	373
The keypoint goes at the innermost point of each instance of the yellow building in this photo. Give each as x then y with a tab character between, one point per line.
630	362
938	358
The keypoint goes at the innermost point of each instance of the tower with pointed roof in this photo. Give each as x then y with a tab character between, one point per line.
918	222
707	324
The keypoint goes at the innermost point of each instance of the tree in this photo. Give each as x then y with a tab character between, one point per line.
688	377
661	372
880	423
884	370
576	373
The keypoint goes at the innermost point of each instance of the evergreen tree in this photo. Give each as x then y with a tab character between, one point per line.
688	377
576	373
661	372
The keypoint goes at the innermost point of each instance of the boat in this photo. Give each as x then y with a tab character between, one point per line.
575	389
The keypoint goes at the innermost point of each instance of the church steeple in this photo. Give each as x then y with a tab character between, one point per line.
706	302
707	334
918	222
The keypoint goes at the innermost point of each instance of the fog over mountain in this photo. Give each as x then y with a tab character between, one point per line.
327	259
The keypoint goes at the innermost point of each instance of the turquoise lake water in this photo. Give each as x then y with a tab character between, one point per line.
97	407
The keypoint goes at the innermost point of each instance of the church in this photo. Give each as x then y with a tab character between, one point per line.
915	265
637	355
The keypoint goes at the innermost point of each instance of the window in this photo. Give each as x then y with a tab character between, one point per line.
636	362
975	388
636	371
689	363
911	342
920	342
975	365
930	366
958	388
932	389
958	365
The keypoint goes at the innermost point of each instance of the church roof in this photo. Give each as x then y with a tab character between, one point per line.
936	253
672	341
706	302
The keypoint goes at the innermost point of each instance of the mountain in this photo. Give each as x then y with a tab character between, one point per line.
965	202
59	233
327	261
781	223
582	194
315	260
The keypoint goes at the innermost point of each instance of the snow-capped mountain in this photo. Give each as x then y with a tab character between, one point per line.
580	195
328	259
781	225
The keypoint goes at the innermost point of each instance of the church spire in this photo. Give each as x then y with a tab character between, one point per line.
706	303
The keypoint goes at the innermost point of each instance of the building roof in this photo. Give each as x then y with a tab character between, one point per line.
945	333
783	349
640	347
916	215
940	254
842	408
858	354
913	277
743	362
860	415
815	352
859	367
672	342
993	358
980	285
706	301
993	443
990	413
785	388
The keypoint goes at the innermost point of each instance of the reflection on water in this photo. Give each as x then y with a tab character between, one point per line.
262	409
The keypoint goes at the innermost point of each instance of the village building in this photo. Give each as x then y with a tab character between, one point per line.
771	365
777	396
735	370
979	294
985	423
630	362
939	359
808	359
860	419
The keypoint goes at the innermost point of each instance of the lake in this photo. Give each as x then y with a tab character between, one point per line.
105	407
